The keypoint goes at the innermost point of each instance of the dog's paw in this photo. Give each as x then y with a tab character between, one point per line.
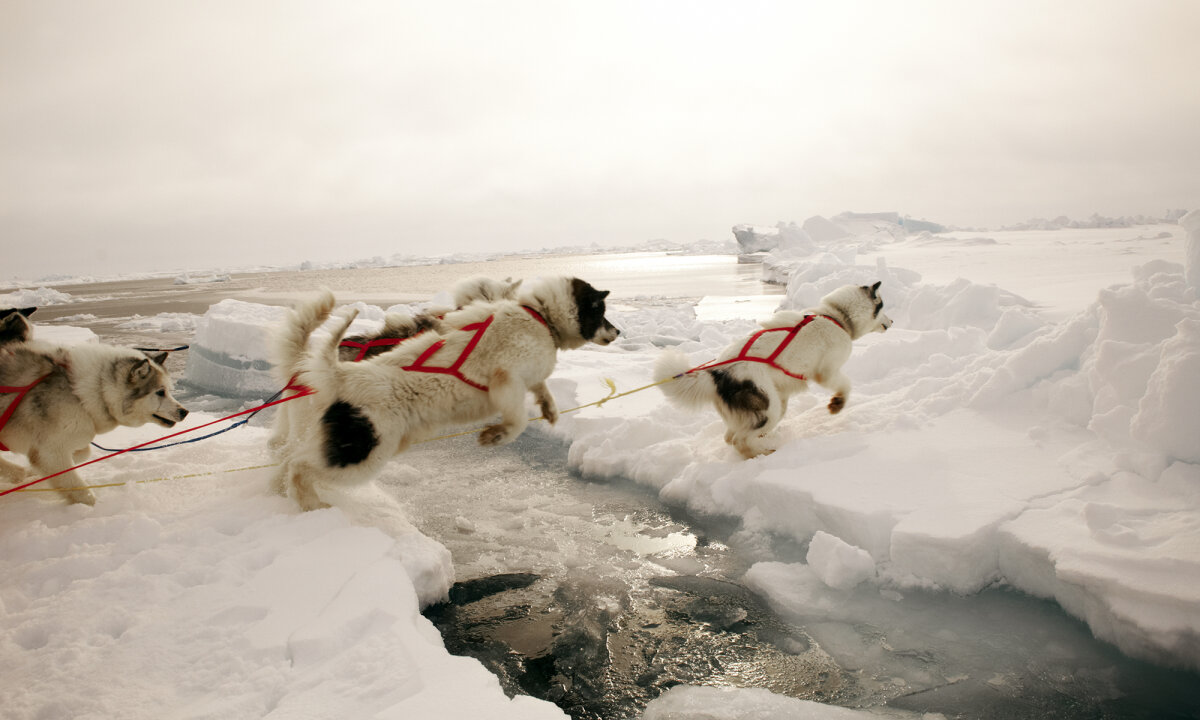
550	412
836	403
495	435
82	496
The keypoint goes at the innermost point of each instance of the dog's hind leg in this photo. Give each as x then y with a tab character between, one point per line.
69	483
507	394
11	471
545	402
300	477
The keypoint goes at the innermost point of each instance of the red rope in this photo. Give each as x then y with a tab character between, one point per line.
301	393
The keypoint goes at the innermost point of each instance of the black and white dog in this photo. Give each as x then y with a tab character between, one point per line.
752	379
292	340
480	362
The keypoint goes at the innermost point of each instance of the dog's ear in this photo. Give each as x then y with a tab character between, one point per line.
873	289
159	358
27	311
140	370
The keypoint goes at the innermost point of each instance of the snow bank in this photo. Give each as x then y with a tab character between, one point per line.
982	444
230	353
1191	224
213	598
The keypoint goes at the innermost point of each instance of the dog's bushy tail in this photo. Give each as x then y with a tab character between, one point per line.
291	341
318	369
690	389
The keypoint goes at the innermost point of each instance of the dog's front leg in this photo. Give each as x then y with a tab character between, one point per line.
69	483
545	402
507	394
840	385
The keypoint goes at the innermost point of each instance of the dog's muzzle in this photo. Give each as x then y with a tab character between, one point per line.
170	422
606	335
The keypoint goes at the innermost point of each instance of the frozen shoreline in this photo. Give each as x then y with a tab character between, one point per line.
986	441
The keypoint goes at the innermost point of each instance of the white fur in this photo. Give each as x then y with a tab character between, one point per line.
87	393
513	357
291	343
817	353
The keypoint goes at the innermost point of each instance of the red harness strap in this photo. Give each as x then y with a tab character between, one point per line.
744	354
419	366
364	348
12	406
454	369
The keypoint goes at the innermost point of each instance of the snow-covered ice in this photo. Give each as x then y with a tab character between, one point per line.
1041	433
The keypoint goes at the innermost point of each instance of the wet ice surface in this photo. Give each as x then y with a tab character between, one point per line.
598	597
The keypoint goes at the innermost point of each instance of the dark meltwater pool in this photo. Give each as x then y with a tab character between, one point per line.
594	595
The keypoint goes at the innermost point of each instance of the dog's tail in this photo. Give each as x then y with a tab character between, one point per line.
291	341
318	368
691	389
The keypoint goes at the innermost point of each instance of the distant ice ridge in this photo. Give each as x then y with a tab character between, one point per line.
34	298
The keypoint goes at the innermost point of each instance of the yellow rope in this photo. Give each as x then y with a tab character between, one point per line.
612	395
150	480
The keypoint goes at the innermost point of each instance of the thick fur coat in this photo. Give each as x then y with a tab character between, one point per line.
85	390
293	339
751	396
364	413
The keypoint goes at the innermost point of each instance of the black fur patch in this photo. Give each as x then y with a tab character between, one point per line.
349	435
741	395
589	303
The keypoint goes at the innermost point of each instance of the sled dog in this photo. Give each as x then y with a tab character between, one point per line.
752	379
481	362
292	341
57	398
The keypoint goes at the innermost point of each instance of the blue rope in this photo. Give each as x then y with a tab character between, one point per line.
237	424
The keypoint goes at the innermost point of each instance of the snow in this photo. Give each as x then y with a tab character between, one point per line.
1037	429
710	703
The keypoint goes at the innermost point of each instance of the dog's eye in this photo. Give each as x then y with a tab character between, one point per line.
161	393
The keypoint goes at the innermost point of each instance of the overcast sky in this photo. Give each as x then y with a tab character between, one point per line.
158	135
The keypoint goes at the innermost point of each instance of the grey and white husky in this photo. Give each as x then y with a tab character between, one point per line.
61	397
752	379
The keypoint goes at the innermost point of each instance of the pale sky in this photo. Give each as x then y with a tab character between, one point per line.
159	135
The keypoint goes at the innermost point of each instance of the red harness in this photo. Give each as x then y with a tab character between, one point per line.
364	348
454	368
745	356
21	392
